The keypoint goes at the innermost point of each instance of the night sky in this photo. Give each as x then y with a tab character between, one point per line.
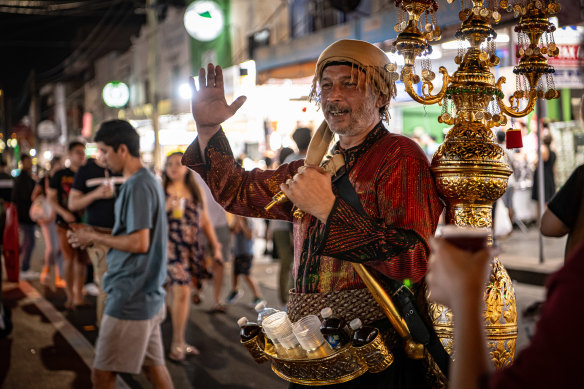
43	38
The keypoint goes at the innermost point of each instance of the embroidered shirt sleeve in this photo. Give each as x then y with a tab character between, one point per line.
394	243
237	190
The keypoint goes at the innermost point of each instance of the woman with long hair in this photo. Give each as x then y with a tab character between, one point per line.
52	254
187	217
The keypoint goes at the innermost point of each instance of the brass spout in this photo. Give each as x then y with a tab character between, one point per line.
278	198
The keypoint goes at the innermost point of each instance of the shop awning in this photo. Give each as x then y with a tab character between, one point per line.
293	71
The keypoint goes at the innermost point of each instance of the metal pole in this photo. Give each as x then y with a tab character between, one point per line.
540	177
152	19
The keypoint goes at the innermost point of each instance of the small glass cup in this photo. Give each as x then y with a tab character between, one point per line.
471	239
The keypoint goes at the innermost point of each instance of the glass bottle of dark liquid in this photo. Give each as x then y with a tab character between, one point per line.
363	334
249	330
334	329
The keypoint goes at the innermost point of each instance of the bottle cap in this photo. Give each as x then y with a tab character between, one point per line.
260	306
326	312
242	321
355	324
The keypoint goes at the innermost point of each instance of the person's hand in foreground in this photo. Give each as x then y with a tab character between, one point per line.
457	279
456	275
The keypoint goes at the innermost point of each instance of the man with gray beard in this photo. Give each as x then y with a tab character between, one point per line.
386	229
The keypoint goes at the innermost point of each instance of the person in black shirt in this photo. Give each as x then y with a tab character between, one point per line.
76	260
565	212
93	190
549	166
21	196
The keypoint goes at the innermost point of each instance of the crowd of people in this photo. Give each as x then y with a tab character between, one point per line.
376	205
93	213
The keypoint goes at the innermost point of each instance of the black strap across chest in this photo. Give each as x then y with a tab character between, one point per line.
403	296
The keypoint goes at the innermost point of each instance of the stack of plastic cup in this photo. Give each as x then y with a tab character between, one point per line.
292	346
278	328
307	331
269	327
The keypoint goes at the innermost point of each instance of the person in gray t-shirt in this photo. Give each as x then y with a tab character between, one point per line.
129	337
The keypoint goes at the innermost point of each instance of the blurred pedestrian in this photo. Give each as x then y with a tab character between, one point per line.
549	167
282	155
565	212
429	145
243	256
22	196
503	221
283	241
218	219
187	219
76	259
129	338
522	170
282	230
53	255
6	185
93	191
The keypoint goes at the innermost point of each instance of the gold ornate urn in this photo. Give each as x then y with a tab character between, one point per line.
470	169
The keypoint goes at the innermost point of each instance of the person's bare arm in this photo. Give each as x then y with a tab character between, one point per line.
246	229
137	242
79	200
63	212
37	191
472	361
209	106
551	225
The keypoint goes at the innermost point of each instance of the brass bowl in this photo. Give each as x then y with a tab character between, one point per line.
343	365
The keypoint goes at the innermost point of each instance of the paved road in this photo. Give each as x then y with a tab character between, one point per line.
51	348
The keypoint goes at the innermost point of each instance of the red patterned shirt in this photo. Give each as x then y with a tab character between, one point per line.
391	176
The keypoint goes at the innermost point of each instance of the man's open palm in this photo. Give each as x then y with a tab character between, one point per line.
208	103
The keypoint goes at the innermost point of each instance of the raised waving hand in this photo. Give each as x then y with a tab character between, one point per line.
208	103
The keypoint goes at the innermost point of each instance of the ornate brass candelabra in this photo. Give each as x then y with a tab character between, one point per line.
470	168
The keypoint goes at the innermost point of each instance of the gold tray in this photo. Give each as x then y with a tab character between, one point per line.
344	365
